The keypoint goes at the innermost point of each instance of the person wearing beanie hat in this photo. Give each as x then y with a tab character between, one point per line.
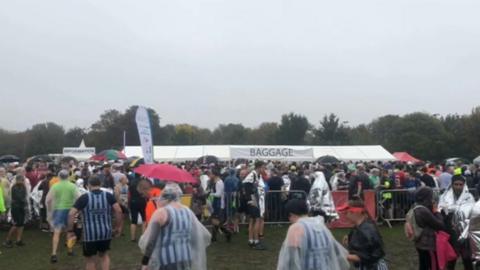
457	204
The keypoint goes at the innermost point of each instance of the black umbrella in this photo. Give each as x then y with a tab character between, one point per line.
67	159
207	160
9	158
240	161
40	158
327	160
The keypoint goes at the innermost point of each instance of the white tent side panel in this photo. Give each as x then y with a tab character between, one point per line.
190	153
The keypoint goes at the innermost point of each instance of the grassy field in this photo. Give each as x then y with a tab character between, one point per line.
221	255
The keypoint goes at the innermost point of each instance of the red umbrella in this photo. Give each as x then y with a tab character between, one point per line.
405	157
165	172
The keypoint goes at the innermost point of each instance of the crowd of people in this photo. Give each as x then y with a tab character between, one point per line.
89	202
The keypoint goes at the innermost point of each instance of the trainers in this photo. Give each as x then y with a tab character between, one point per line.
8	244
259	246
251	244
19	243
53	259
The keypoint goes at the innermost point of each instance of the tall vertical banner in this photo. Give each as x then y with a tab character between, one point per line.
145	134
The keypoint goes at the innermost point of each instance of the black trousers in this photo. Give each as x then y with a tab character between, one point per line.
425	260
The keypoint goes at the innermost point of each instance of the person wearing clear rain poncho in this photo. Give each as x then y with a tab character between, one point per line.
309	245
457	203
174	239
320	198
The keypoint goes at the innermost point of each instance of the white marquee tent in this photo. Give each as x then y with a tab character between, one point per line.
265	152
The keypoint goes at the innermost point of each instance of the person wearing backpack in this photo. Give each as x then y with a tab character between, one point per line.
423	221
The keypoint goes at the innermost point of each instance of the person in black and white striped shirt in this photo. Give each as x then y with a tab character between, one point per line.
97	208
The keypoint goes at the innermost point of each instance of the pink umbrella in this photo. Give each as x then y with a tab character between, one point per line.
165	172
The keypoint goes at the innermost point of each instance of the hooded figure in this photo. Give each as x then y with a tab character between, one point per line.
231	185
174	238
309	245
320	198
457	204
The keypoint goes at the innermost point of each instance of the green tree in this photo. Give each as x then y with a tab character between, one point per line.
473	132
186	134
292	129
230	134
422	135
45	138
361	135
165	135
12	143
265	134
107	132
331	131
74	137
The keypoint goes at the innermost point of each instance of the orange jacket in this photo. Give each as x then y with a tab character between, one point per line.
151	205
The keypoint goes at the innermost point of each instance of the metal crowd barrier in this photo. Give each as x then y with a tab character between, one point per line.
275	201
394	204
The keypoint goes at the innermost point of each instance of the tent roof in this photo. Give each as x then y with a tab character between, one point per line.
406	157
222	152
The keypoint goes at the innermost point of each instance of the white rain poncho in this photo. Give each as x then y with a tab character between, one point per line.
309	245
36	197
180	242
320	197
461	209
464	203
474	231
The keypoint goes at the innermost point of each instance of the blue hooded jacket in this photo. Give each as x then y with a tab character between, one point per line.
232	182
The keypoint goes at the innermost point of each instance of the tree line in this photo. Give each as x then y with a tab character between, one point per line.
425	136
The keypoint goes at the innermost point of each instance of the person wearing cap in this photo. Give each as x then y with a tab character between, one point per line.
457	204
309	244
364	242
174	238
60	199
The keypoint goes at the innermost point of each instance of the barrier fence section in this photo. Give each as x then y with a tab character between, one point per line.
394	204
275	201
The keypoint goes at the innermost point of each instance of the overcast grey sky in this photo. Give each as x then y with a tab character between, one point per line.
207	62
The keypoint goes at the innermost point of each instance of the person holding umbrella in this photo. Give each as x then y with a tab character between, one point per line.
174	238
